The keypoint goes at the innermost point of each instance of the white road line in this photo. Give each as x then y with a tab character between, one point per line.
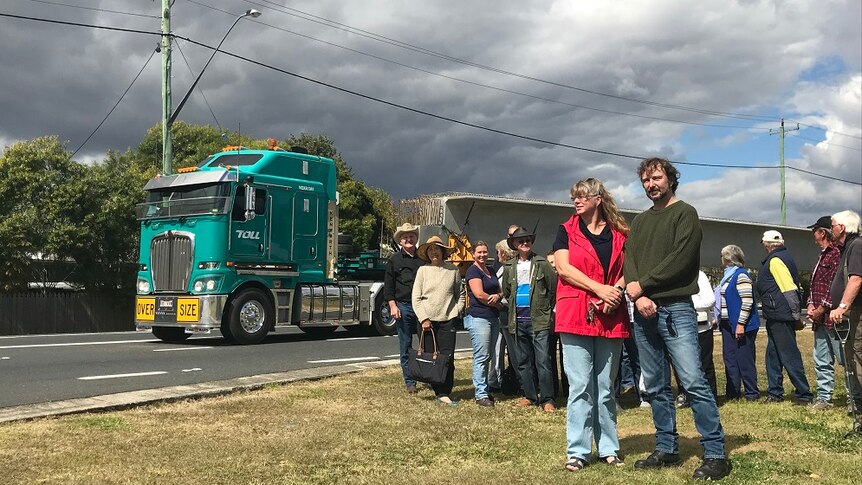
76	344
4	358
346	339
180	348
391	356
120	376
350	359
468	349
193	369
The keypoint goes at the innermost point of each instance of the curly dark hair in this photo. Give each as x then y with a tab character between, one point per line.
650	164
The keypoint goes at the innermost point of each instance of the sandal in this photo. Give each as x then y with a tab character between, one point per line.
574	464
612	461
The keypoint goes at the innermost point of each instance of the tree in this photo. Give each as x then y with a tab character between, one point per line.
32	173
191	144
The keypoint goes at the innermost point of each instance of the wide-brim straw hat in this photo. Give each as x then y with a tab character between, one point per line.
518	234
404	229
434	241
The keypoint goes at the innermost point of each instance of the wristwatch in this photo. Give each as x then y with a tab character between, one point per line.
842	305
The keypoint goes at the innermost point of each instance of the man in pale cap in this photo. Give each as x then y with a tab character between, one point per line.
780	293
398	292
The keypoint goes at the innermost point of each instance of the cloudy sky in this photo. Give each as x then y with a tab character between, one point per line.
697	82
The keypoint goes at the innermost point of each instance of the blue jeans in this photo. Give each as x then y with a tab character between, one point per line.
483	333
672	333
782	352
591	365
534	364
826	354
406	327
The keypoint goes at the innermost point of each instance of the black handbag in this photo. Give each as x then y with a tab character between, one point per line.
430	367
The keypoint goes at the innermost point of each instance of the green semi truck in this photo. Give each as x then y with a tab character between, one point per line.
246	242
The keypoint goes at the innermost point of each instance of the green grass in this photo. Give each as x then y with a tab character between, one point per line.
363	429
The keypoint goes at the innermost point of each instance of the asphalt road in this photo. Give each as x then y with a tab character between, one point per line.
41	368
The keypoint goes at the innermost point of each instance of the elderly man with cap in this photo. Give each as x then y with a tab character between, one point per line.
826	351
779	291
398	290
529	284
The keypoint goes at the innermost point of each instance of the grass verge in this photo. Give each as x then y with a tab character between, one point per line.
363	429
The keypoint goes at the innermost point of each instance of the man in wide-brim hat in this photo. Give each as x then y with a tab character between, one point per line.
435	241
517	235
398	292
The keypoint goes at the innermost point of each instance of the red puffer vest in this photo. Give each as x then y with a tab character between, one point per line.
572	302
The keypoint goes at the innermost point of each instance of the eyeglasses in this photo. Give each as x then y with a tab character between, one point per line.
836	225
584	197
523	240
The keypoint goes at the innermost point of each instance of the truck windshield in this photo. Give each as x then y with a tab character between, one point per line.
191	200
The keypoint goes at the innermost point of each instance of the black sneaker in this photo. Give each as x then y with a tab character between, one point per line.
485	402
712	469
659	459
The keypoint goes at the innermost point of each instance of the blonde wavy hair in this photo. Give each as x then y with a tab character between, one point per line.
590	187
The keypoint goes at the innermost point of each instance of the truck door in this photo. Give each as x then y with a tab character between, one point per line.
249	235
306	217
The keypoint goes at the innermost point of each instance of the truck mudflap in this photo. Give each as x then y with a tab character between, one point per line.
196	313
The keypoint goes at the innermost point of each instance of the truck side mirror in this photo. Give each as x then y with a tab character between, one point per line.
249	202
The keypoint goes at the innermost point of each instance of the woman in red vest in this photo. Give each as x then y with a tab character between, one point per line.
591	319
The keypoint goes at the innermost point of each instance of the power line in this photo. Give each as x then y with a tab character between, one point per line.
201	91
827	129
415	110
59	4
487	128
117	103
487	86
422	50
828	142
80	24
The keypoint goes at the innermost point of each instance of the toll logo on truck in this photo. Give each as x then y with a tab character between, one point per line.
240	234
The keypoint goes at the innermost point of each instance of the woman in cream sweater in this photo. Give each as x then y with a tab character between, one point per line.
438	301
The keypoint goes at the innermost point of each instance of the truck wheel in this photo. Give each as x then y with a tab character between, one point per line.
250	317
319	331
171	334
381	320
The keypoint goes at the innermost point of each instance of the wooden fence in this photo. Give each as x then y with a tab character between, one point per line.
65	312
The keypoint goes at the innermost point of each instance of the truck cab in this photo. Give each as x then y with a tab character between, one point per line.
245	242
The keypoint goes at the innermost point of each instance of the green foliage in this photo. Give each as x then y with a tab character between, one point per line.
190	144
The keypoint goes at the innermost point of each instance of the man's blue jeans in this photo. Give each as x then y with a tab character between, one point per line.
534	364
482	334
672	333
406	327
782	352
826	354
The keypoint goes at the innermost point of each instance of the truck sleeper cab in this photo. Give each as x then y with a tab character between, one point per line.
247	242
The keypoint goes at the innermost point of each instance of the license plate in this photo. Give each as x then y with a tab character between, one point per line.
188	310
145	309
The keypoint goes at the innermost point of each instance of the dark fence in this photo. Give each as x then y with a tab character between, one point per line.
65	312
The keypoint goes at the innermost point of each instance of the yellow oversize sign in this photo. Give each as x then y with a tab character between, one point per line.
188	310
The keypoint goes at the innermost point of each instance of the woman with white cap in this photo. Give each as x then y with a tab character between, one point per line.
438	301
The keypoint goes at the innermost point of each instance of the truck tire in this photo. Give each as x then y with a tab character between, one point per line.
381	320
250	317
171	334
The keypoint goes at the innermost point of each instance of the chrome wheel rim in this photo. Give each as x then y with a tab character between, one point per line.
252	316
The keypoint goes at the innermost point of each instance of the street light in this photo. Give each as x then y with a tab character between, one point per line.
248	13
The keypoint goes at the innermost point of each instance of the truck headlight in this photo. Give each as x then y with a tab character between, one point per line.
143	286
206	284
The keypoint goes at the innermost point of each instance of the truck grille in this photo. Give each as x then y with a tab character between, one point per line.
171	262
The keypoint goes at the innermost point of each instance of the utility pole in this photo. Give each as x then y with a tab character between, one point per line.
166	87
780	132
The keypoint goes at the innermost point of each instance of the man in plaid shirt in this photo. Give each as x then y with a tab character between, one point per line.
826	351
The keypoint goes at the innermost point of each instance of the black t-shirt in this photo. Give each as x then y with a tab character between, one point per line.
603	243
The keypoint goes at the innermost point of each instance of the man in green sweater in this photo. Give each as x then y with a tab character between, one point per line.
661	270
